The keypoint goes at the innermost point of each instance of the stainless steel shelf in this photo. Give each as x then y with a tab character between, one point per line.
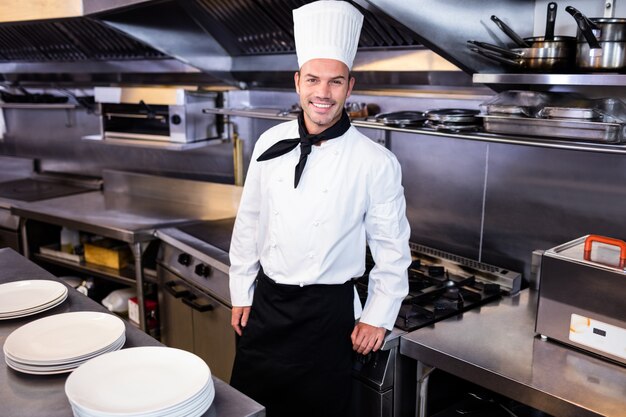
124	276
154	144
586	80
275	114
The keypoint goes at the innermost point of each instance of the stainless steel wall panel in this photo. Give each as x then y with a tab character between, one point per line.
55	138
443	180
539	198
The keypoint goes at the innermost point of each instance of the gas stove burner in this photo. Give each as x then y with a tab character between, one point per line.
452	293
439	287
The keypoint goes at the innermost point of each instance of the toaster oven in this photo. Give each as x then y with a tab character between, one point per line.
158	114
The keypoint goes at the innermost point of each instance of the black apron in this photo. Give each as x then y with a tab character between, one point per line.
295	355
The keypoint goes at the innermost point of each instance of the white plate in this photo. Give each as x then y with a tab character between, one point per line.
197	407
73	362
32	311
24	295
63	337
37	369
141	380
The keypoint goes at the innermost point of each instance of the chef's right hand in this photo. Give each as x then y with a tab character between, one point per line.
239	318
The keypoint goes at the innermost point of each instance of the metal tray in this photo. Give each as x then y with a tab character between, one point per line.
555	128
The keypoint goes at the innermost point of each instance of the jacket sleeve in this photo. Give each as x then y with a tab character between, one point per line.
388	233
244	247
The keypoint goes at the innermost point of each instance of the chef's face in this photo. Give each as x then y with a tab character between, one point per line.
323	86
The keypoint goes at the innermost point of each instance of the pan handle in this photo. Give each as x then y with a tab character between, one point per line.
550	21
510	32
494	48
496	57
609	241
585	26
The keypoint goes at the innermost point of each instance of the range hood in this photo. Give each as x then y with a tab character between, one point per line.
242	43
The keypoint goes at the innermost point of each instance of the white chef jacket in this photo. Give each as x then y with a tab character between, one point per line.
350	191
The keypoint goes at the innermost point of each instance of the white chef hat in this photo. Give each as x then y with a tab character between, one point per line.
327	29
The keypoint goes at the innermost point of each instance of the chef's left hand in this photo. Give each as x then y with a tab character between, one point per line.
367	338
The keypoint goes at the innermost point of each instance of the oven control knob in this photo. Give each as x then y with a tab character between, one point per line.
203	270
175	119
184	259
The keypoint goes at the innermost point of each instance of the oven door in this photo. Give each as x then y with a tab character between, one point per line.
194	321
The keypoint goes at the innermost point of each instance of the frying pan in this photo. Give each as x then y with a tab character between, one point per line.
531	59
510	32
547	41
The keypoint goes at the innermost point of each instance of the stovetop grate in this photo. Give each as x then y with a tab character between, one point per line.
441	285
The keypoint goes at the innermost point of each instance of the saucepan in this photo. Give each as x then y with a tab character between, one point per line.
539	53
601	42
531	59
547	41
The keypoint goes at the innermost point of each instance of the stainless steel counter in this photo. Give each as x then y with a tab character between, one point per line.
131	208
495	347
124	217
35	395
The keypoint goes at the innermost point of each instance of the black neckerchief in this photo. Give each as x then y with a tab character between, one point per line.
305	140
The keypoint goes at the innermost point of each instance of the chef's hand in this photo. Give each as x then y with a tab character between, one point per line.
367	338
239	318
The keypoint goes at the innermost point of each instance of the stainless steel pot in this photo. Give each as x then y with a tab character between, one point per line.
601	42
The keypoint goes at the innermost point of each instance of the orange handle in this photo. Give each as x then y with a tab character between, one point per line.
609	241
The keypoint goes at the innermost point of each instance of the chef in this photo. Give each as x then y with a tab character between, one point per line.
316	191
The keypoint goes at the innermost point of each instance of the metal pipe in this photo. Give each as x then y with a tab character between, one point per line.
137	252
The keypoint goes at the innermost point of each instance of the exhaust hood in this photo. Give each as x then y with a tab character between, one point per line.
243	43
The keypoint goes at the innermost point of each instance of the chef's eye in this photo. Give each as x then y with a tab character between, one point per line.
337	82
311	80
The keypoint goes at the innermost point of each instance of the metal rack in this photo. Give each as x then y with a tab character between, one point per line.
276	114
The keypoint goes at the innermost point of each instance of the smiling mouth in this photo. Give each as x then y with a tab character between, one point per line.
321	105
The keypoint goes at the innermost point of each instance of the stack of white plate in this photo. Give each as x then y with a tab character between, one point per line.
147	381
23	298
60	343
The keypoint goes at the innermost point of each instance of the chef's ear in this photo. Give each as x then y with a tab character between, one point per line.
351	82
296	79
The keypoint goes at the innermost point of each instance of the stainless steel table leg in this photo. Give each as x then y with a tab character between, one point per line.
137	252
24	238
421	391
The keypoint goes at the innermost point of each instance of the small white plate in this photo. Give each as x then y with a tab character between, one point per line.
36	310
39	369
63	337
18	296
